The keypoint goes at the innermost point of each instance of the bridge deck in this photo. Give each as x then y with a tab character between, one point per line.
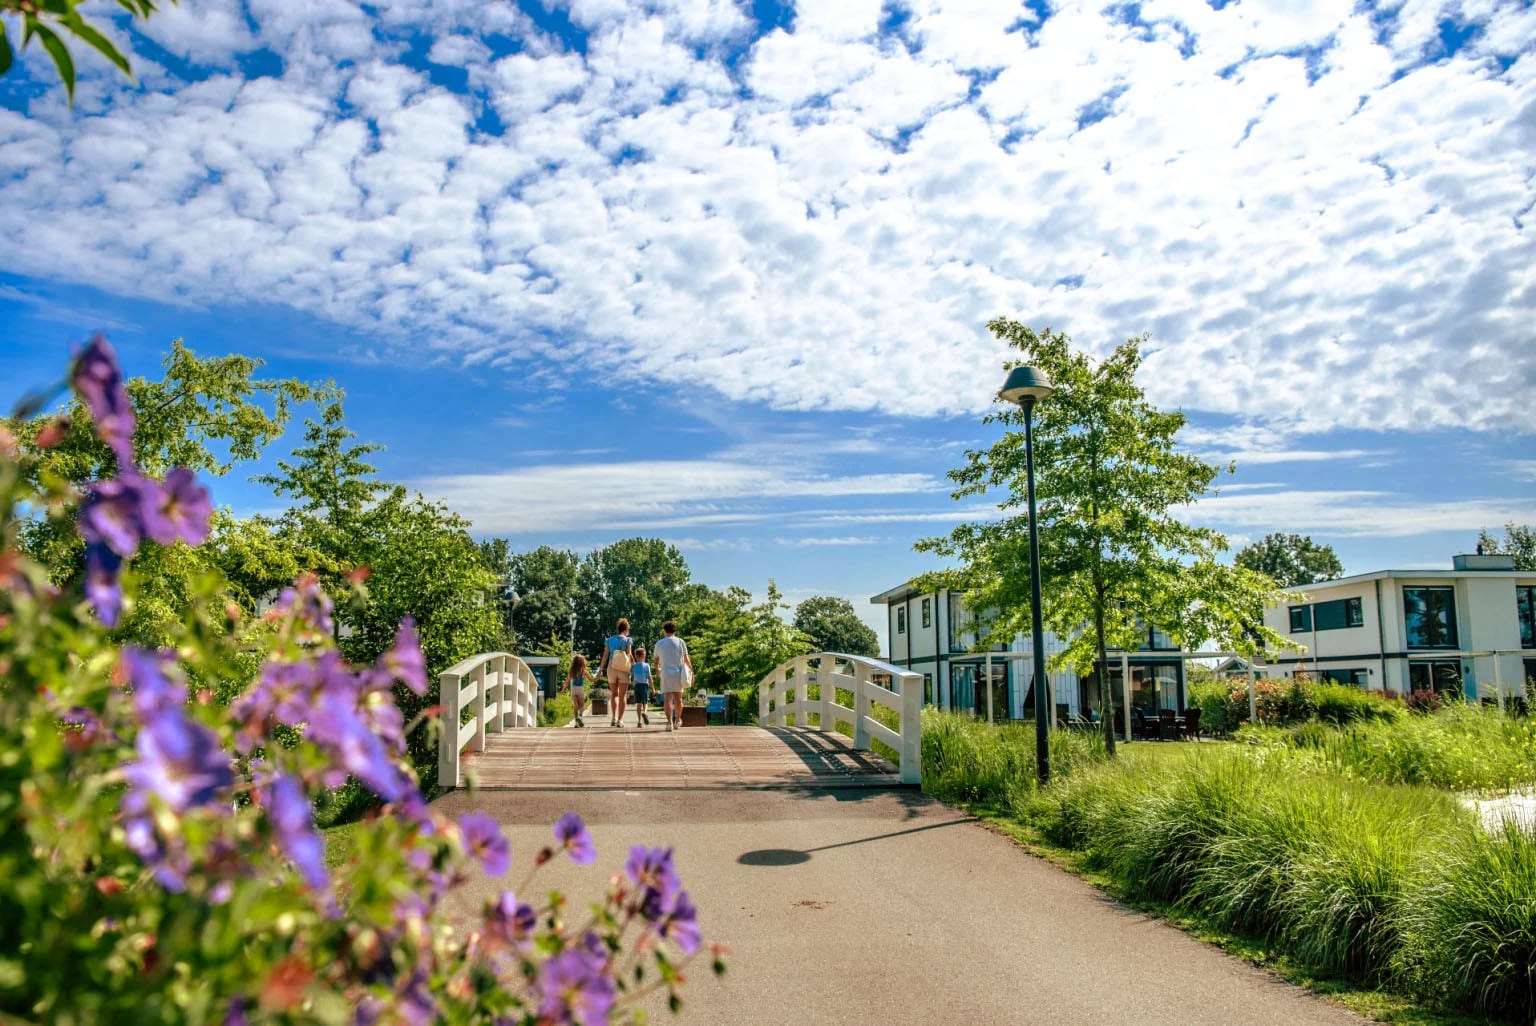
602	758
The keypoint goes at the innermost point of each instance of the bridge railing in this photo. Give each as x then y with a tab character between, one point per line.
785	695
499	689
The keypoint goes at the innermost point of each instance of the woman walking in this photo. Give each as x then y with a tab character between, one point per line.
676	670
617	661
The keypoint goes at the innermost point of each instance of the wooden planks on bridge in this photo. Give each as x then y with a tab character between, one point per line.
599	757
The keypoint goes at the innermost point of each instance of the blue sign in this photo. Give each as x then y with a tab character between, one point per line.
714	704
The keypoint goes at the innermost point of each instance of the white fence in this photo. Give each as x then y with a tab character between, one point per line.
502	692
784	696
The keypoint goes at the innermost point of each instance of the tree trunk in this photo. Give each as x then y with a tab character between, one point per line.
1106	693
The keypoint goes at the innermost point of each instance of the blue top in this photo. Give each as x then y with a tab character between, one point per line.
616	643
640	673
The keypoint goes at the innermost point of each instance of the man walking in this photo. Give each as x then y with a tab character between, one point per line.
676	673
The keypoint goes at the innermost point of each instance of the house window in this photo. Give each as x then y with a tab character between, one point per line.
928	697
927	613
1158	640
1338	614
1525	605
1429	617
963	625
1301	619
901	620
1427	676
1359	678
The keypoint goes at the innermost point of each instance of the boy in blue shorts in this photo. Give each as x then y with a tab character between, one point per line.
640	687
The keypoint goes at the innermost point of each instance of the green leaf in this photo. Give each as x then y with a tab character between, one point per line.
98	42
61	58
5	51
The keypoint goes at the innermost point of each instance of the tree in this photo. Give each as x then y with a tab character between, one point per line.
545	581
1291	559
207	414
643	580
43	20
833	626
1519	541
1113	555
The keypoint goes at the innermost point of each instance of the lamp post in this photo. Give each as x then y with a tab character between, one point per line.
1027	386
513	598
573	632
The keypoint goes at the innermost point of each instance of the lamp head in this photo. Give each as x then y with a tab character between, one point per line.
1025	385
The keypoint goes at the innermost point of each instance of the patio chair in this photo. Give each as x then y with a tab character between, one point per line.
1192	724
1168	721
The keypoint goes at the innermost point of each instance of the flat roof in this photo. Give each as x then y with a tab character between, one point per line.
1381	575
891	595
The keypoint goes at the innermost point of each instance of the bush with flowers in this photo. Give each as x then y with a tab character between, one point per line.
158	849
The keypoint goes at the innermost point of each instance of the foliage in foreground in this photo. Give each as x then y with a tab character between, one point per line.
159	850
1387	884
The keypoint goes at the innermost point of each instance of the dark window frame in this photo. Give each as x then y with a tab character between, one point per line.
901	619
927	612
1301	623
1338	614
1525	613
1452	639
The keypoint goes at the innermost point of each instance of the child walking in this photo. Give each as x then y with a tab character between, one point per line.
640	687
578	685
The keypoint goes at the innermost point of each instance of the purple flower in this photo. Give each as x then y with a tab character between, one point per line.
149	670
293	822
235	1015
115	510
509	922
308	604
416	1005
483	840
574	987
571	835
170	867
652	868
404	660
177	509
681	925
179	761
103	586
99	383
358	750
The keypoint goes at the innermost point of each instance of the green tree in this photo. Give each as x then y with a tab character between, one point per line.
45	19
709	621
207	414
1519	541
1113	554
545	580
644	580
1291	559
833	626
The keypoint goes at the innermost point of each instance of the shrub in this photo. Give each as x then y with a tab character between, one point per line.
1341	704
159	850
1424	701
1214	700
557	710
1470	927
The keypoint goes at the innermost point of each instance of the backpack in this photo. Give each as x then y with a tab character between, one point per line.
618	659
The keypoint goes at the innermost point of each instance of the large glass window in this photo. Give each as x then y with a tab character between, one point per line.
1359	678
1429	617
962	626
1525	605
1154	686
1301	619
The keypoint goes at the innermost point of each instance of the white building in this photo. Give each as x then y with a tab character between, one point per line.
934	633
1471	629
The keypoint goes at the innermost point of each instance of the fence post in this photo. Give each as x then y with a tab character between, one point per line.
764	689
912	728
803	693
827	666
448	685
477	742
861	708
1125	691
498	704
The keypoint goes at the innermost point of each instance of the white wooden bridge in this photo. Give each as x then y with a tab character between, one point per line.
803	707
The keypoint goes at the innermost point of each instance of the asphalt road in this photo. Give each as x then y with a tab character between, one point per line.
866	907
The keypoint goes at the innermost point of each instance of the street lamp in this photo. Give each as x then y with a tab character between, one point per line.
1027	386
513	598
573	632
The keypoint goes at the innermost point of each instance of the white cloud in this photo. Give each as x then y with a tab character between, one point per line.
1333	239
1355	513
647	495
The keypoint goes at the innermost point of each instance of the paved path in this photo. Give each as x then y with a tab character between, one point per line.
604	757
867	907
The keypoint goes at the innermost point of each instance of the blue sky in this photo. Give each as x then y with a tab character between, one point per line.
719	272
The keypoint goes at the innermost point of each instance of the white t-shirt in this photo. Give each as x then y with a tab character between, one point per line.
670	651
